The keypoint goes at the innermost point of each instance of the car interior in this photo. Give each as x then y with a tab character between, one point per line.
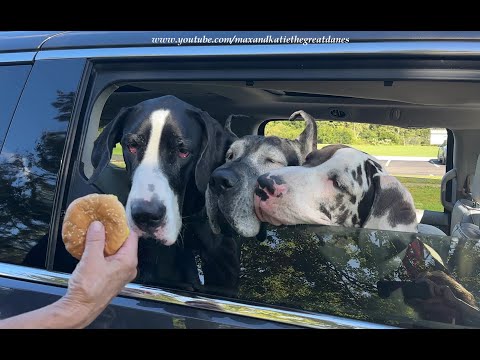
410	104
451	105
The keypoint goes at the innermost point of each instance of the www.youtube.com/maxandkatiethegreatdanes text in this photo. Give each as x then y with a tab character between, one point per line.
250	40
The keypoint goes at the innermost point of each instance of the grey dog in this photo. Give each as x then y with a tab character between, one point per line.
229	195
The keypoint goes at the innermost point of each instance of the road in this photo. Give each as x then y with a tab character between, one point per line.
397	165
404	165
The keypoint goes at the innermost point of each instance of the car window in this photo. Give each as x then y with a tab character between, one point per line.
12	80
330	270
411	155
360	273
31	158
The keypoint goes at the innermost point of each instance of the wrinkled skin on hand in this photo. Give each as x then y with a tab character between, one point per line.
98	279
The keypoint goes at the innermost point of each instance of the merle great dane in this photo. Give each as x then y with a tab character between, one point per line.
170	149
337	185
229	195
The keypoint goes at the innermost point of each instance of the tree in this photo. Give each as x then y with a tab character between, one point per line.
333	132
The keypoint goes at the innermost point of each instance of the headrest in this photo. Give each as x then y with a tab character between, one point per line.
475	186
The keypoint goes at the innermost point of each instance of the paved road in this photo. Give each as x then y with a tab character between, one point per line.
403	165
399	165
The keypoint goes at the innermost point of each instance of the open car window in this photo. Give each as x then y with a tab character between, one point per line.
378	276
384	277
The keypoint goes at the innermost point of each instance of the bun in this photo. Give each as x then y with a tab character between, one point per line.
87	209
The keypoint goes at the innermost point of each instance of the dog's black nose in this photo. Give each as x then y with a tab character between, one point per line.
148	215
223	179
266	184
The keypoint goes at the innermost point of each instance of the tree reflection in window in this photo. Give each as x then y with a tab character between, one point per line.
27	184
335	270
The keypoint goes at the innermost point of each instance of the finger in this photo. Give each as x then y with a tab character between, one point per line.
95	242
130	246
126	258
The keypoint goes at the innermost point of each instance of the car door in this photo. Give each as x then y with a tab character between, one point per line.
297	277
35	153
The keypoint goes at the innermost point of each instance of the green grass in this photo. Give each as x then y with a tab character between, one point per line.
425	191
396	150
117	150
120	164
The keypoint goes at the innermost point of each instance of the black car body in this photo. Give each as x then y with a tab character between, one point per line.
54	84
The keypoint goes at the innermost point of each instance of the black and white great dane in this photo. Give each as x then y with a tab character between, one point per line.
229	195
170	149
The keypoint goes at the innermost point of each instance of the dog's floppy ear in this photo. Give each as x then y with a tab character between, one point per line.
308	138
215	144
392	207
104	144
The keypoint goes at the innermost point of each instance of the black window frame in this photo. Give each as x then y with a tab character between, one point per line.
103	73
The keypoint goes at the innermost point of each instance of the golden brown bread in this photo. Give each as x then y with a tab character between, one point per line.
83	211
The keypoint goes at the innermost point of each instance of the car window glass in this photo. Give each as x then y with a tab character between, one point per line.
12	80
414	156
363	274
30	161
348	272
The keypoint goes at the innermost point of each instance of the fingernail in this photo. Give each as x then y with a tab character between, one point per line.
97	226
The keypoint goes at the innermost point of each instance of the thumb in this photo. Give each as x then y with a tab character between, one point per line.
95	241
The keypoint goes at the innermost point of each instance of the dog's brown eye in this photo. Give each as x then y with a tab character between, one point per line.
230	155
133	143
336	184
132	147
334	179
182	149
183	154
271	161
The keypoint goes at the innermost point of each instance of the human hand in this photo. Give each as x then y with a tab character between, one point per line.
98	279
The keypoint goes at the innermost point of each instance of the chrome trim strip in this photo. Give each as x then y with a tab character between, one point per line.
51	37
361	48
297	318
16	57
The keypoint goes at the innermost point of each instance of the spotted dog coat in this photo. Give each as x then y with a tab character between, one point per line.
337	185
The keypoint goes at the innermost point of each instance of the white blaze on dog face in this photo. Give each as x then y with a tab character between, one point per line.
149	184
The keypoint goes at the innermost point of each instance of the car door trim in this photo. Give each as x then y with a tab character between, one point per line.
386	48
17	57
292	317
